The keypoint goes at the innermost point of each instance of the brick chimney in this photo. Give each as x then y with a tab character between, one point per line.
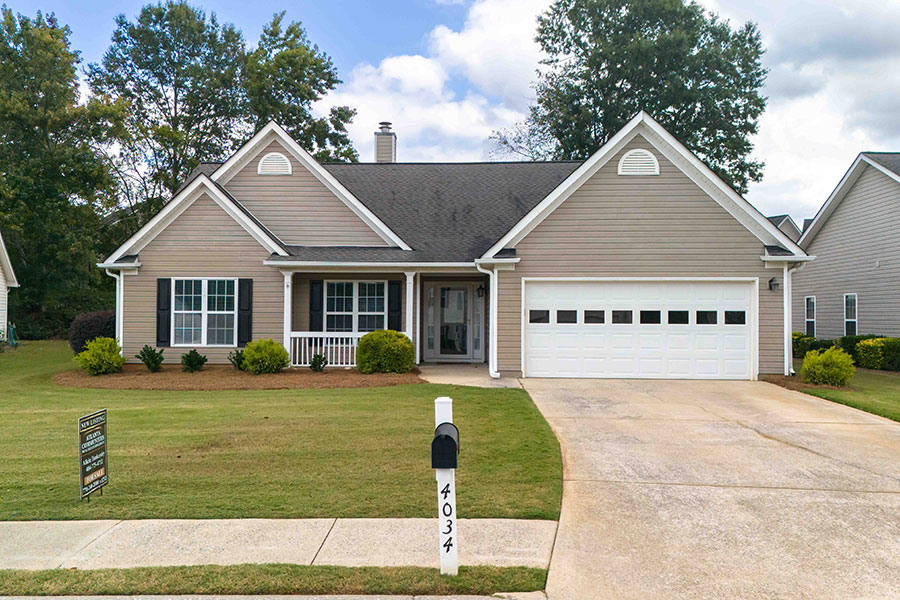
385	143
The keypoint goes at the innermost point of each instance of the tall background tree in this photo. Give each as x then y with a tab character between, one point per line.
194	93
54	182
608	59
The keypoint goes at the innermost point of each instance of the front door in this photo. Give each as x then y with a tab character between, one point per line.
454	317
453	322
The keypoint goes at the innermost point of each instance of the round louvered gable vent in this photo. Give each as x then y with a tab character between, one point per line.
638	162
274	163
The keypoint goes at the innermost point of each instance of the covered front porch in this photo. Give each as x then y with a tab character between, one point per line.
444	312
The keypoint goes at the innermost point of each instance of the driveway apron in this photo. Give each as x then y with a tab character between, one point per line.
686	489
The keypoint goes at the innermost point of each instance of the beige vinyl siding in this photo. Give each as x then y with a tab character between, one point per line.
298	208
857	251
640	226
204	241
300	309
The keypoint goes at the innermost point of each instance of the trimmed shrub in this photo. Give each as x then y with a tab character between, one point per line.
88	326
151	357
318	363
831	367
265	356
848	344
192	361
891	354
801	343
236	358
385	351
101	357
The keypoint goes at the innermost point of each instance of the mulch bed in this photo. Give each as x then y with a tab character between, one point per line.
796	383
226	377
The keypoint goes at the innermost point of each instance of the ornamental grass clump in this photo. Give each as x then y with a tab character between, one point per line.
265	356
385	351
831	367
101	356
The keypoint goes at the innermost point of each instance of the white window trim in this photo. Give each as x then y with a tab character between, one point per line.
855	320
806	318
356	312
204	311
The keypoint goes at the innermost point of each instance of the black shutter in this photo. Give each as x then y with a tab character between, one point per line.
245	312
316	314
163	312
395	305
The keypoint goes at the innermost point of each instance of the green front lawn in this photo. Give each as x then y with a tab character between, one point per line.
877	392
281	453
270	579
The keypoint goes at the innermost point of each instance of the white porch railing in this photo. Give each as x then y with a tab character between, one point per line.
339	348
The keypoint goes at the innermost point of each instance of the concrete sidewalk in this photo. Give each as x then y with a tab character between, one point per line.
512	596
343	542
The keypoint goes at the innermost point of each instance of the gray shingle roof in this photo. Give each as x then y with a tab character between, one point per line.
777	219
778	251
451	212
888	160
204	168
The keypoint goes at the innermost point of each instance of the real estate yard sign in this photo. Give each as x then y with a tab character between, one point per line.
92	452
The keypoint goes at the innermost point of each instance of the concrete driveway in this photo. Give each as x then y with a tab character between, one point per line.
677	489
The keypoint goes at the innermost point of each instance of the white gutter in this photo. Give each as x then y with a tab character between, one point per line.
108	266
492	358
398	265
772	258
119	299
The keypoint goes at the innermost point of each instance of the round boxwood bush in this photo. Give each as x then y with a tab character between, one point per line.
385	351
101	357
265	356
831	367
88	326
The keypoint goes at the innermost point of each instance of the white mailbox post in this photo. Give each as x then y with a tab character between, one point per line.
444	450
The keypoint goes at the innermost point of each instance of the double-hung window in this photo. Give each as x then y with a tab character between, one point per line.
355	306
810	308
204	312
850	320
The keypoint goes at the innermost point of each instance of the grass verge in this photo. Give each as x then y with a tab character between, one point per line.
266	453
875	392
270	579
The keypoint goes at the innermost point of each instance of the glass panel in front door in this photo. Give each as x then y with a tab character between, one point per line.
454	331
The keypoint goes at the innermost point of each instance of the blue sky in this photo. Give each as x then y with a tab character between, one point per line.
449	72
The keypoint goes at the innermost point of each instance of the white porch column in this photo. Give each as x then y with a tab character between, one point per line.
288	302
417	332
410	278
788	334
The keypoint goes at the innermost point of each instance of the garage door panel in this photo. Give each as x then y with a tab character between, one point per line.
650	349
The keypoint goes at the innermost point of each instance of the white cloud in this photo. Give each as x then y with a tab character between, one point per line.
496	56
495	50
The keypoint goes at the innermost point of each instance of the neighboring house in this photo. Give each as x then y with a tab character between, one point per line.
853	287
786	224
638	262
7	281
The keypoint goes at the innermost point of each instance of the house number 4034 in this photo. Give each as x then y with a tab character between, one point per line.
447	528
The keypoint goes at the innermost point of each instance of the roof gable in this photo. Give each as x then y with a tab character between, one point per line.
886	163
271	132
201	185
681	157
6	265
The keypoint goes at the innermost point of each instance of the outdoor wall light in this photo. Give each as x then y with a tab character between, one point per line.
773	284
480	290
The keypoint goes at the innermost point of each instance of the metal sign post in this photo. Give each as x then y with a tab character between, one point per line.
444	450
92	459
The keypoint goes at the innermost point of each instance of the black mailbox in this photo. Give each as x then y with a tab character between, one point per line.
445	446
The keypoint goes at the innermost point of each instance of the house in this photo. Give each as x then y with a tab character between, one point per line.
637	262
7	281
786	224
853	287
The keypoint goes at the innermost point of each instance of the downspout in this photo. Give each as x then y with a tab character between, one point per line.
492	358
118	278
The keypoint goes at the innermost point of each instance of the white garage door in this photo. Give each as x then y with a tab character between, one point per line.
640	329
